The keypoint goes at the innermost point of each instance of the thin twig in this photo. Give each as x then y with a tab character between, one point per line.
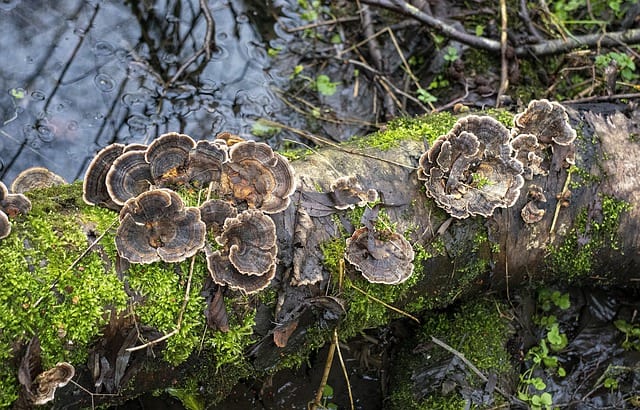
383	303
565	188
410	10
320	24
504	64
180	313
325	376
466	361
319	140
211	28
344	368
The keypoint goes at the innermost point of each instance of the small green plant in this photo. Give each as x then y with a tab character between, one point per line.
327	394
631	334
626	65
451	54
425	96
548	298
325	86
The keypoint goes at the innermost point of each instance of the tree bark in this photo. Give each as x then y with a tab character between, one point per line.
594	238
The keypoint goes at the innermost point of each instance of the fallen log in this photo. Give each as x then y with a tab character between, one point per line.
131	328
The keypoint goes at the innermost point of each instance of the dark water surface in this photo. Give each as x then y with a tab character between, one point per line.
78	75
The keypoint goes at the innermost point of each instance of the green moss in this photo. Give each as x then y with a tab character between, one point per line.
418	129
578	255
46	248
476	329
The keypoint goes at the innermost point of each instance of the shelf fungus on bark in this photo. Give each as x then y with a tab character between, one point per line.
472	169
157	226
347	192
94	186
381	256
547	120
214	212
529	152
168	158
224	273
11	205
250	239
531	213
205	162
128	177
258	176
48	381
35	178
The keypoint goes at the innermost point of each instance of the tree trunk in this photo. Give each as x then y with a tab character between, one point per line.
590	235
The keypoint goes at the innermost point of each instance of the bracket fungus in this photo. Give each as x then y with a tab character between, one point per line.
128	177
547	120
34	178
11	205
224	273
94	186
347	192
168	158
251	242
260	177
5	225
214	212
472	170
381	256
157	226
205	162
48	381
531	213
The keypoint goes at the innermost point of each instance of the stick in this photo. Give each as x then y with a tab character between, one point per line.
325	375
388	306
504	67
344	368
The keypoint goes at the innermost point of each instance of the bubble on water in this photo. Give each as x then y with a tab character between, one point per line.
104	82
29	60
222	36
98	116
242	18
220	53
73	125
103	48
8	5
45	132
133	99
38	95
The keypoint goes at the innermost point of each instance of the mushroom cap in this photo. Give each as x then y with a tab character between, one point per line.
5	225
257	175
547	120
14	204
382	257
251	240
531	213
94	186
49	380
168	156
128	177
470	170
205	162
224	273
346	192
157	226
3	191
34	178
214	212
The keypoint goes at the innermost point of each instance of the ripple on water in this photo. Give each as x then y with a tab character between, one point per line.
103	49
45	132
104	82
38	95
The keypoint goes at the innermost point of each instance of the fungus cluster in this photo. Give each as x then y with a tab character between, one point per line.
472	170
480	165
381	256
11	205
247	181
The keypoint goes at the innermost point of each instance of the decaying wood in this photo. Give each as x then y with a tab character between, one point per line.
516	252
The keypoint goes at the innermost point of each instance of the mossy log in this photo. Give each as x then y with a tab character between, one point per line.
63	281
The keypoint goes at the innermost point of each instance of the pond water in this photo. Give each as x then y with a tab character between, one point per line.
78	75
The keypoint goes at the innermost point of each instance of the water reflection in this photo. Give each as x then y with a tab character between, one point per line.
79	75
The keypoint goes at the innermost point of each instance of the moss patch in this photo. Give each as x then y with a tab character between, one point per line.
418	129
579	253
477	330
